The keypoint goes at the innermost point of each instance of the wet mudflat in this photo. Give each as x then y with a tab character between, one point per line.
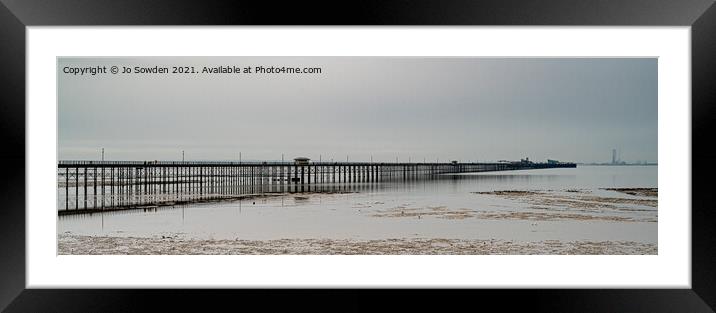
415	246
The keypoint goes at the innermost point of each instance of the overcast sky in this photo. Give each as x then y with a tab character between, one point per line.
424	108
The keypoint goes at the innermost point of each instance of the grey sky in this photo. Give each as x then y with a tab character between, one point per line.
448	108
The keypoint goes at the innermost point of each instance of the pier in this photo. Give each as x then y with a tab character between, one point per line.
91	186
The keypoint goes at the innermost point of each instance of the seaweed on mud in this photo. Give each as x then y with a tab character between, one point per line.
641	192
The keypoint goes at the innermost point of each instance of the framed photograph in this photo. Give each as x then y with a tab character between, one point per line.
556	152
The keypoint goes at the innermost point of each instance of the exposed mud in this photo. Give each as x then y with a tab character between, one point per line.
438	211
545	205
641	192
574	204
90	245
510	193
542	216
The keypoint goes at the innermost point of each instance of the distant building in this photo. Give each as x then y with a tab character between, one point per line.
552	161
301	160
614	156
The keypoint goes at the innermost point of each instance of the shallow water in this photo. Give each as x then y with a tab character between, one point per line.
377	211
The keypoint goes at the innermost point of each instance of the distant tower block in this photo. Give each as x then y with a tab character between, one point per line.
614	156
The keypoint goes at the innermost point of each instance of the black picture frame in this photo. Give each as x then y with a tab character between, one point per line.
15	16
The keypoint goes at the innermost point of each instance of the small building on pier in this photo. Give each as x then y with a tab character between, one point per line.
301	160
